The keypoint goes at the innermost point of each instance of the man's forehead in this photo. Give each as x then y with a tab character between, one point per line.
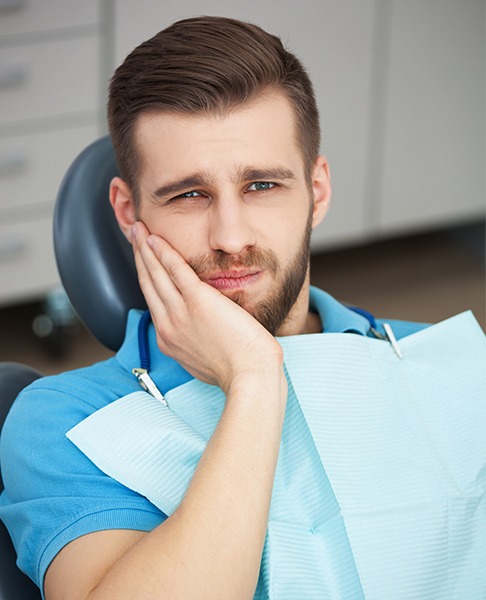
258	137
270	111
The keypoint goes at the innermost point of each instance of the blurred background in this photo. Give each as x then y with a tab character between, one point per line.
401	89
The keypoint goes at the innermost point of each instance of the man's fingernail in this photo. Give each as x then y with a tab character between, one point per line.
151	241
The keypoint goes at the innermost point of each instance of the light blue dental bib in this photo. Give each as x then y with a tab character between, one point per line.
380	485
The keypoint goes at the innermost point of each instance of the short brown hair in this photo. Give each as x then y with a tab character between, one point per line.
206	65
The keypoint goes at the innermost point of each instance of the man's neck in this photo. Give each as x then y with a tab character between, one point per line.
313	323
300	319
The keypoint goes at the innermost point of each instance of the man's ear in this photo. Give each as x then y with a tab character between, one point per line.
121	201
321	189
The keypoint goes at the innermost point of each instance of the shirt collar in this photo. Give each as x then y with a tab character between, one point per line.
335	317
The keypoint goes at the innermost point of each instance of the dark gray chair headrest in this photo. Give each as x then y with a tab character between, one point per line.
94	259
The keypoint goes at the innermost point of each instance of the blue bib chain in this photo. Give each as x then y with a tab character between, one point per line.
388	336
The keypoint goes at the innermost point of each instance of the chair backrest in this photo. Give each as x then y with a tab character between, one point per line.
13	584
94	259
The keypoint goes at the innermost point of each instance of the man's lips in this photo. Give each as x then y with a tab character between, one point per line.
232	280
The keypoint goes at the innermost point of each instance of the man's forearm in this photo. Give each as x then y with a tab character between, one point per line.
211	546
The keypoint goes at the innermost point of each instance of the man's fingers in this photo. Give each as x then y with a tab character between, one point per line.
159	304
145	280
163	261
164	276
152	274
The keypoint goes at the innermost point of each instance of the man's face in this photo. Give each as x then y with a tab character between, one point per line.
230	194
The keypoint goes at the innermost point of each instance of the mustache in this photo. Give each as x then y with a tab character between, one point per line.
252	258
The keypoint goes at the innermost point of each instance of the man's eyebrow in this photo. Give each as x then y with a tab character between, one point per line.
173	188
254	174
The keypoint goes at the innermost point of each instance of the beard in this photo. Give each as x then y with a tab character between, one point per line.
272	311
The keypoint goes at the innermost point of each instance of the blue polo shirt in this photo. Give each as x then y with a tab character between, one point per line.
54	493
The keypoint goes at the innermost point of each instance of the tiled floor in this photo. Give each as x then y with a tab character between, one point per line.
422	278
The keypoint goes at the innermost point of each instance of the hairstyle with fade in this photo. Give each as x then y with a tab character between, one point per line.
206	65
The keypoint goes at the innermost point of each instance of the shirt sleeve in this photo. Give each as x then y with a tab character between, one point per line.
53	492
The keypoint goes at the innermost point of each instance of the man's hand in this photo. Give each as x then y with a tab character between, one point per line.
212	337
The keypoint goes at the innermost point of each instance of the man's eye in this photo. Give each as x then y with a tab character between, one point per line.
191	194
260	186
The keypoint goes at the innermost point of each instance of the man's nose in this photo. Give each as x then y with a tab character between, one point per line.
231	229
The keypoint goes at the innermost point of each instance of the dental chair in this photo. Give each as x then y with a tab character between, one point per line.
98	271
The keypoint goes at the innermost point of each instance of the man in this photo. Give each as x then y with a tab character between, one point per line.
216	134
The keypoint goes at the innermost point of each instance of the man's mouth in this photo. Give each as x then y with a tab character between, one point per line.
232	280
